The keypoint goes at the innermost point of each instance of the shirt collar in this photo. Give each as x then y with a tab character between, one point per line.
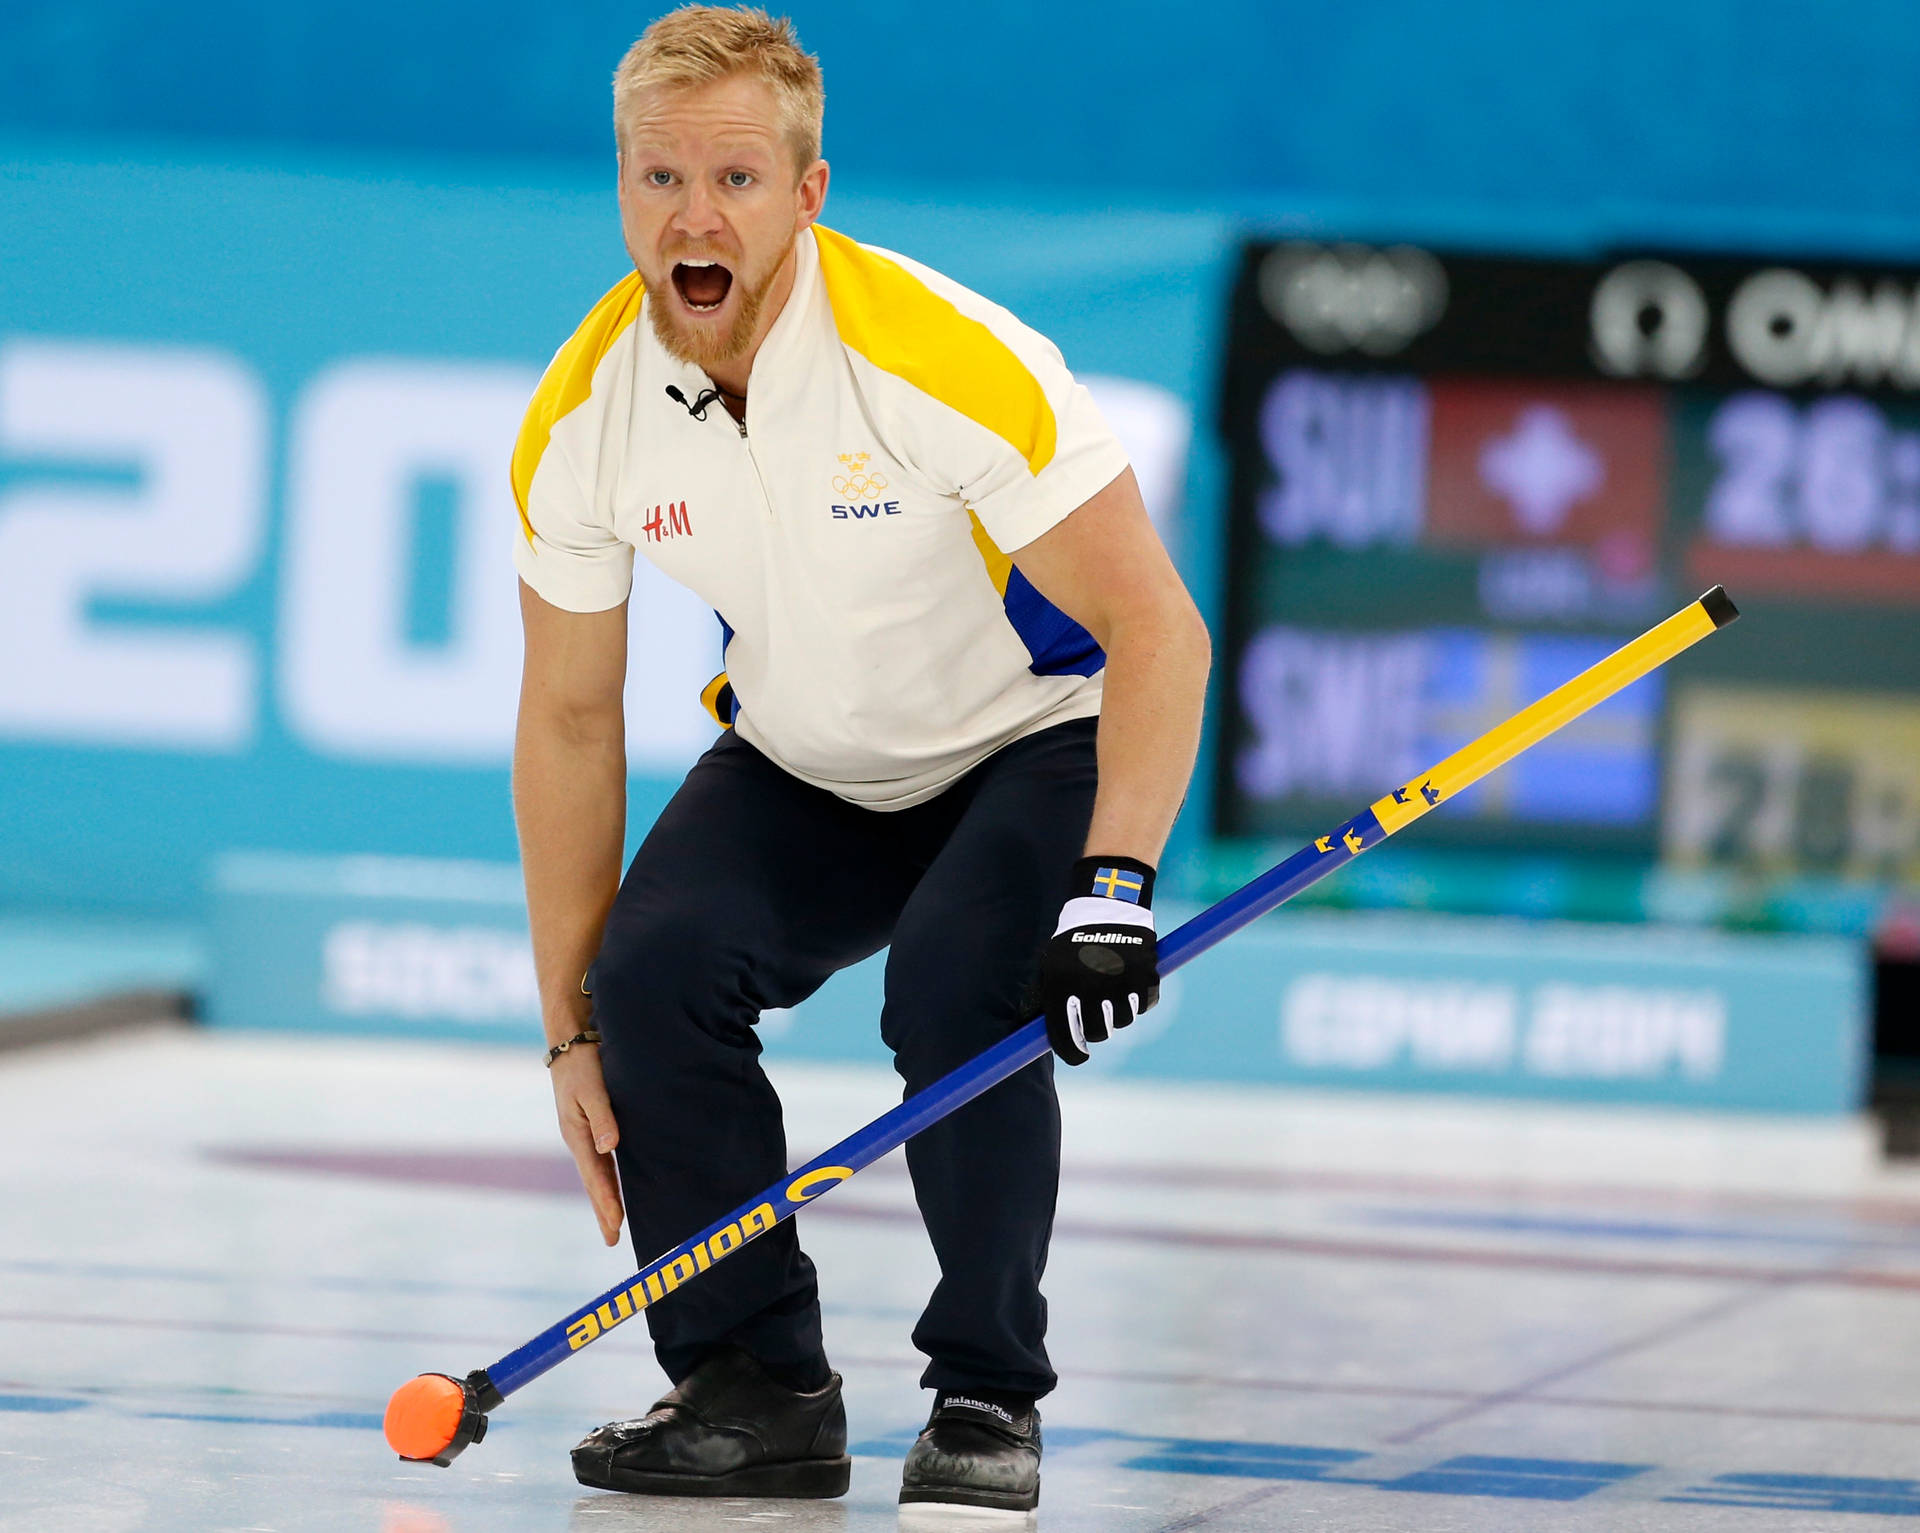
784	338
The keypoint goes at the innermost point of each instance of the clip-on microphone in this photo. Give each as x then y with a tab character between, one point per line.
698	409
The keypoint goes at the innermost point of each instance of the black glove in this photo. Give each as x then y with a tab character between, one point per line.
1101	970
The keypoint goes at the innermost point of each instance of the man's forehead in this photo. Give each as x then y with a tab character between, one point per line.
738	109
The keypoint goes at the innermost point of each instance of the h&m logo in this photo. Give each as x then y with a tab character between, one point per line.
857	483
668	521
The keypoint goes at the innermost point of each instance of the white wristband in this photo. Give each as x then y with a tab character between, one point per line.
1098	910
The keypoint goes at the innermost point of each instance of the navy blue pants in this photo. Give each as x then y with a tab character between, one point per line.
750	890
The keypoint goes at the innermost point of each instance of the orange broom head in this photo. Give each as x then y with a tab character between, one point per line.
423	1417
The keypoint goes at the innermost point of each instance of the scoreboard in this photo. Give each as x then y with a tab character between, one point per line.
1457	479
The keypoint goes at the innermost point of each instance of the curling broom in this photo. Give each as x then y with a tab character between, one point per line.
433	1417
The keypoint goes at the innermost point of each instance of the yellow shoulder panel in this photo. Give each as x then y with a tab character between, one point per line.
568	380
900	325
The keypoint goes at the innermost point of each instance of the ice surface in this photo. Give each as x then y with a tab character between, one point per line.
219	1254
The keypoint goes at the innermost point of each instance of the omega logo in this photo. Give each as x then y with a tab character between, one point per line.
1648	317
1785	329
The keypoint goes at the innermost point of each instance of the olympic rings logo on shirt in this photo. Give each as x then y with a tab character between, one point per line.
857	482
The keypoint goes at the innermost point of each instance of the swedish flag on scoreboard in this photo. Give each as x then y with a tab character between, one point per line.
1119	884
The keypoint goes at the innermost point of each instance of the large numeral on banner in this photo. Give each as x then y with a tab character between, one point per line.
192	428
366	436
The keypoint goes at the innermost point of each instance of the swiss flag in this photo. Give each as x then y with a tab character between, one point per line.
1539	464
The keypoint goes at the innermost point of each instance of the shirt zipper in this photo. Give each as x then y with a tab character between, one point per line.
747	443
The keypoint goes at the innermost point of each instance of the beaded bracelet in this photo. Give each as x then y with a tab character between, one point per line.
560	1048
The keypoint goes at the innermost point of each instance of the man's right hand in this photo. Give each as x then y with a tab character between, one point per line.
586	1123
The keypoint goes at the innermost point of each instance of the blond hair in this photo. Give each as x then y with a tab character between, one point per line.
698	44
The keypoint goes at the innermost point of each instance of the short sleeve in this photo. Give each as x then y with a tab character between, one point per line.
1017	495
568	554
570	558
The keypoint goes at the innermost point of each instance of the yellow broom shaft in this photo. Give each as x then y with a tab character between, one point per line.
1593	686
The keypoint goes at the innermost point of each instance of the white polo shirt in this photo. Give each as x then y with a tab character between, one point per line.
903	436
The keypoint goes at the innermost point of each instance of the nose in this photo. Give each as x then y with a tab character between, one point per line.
698	216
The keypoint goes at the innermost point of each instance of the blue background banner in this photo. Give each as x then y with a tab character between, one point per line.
1385	1002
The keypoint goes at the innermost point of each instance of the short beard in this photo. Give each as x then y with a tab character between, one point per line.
701	348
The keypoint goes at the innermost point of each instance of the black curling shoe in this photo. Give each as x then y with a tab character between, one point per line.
725	1430
976	1452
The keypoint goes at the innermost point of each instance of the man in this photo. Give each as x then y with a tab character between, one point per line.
961	701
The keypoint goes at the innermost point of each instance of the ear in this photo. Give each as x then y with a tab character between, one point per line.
812	195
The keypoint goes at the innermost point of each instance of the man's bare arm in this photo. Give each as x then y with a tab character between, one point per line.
570	804
1104	567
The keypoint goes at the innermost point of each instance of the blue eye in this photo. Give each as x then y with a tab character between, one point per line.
660	177
739	178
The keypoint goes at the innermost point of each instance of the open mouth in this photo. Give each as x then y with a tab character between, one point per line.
703	285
